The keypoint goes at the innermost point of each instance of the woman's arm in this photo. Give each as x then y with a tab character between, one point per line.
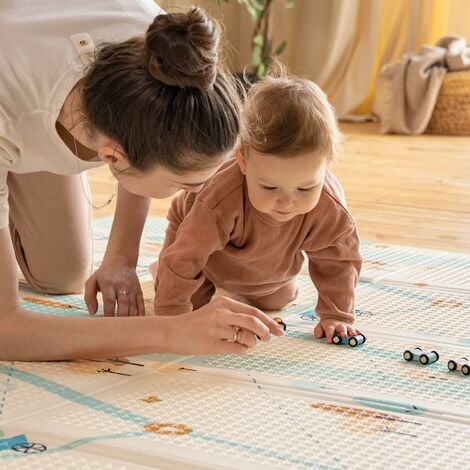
117	272
126	231
29	336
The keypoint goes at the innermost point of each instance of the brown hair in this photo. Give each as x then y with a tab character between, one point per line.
164	97
286	115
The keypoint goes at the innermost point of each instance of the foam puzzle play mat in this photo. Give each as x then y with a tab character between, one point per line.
294	402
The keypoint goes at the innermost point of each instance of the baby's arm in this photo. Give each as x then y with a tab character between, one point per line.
186	250
334	269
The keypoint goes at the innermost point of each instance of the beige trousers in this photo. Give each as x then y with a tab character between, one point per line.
50	226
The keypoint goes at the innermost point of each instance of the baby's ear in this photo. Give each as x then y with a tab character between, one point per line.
241	161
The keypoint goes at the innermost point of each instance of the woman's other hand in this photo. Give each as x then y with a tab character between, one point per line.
120	287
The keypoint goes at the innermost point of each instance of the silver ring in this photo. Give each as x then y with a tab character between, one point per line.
123	292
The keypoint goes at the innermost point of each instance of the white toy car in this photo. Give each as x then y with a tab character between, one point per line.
462	365
421	356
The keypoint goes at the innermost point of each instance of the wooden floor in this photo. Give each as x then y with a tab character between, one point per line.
404	190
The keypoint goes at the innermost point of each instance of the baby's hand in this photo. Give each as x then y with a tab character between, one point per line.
328	328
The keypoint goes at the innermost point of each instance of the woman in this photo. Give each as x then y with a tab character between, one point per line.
159	110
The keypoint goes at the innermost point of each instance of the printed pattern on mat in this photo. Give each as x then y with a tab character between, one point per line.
377	367
293	402
381	260
450	271
252	423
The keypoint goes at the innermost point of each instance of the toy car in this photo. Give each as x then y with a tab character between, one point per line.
353	341
280	323
421	356
462	364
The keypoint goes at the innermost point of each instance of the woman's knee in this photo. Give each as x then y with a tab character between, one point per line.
59	282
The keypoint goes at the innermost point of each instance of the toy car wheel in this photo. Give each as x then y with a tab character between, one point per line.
466	370
280	322
424	359
336	339
353	342
452	365
407	355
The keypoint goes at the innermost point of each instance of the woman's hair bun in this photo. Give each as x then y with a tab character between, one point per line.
181	49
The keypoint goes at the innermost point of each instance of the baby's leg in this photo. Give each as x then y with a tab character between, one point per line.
203	295
277	300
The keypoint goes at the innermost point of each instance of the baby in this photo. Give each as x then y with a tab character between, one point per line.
248	229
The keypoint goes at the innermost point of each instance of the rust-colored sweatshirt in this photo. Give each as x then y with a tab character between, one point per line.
217	234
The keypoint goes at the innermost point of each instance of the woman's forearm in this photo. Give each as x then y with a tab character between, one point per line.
29	336
126	231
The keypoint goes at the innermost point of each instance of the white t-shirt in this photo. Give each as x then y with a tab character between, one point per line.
44	48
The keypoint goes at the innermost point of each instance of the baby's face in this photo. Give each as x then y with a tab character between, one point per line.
284	187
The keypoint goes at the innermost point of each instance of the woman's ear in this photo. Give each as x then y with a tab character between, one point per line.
241	161
113	154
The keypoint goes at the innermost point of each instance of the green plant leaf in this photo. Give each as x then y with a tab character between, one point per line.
289	3
280	48
256	56
251	8
261	70
258	40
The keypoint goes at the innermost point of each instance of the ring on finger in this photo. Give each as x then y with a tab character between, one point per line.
123	292
238	336
235	334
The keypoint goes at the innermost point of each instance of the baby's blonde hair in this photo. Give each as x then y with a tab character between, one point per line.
286	115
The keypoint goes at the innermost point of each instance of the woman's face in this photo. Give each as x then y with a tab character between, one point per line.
161	182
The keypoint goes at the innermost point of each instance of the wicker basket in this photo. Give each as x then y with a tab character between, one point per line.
451	114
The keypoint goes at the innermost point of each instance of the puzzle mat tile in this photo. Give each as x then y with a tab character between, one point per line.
189	418
405	311
26	387
450	271
382	260
376	368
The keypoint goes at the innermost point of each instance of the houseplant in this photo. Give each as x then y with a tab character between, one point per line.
261	41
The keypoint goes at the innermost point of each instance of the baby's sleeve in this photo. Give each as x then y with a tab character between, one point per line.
183	258
334	270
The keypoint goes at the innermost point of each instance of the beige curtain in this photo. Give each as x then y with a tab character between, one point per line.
341	44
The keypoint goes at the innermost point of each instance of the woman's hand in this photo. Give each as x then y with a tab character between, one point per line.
328	328
119	284
222	326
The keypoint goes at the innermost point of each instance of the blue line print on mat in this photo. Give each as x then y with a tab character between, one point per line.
393	406
9	442
73	395
98	405
79	442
